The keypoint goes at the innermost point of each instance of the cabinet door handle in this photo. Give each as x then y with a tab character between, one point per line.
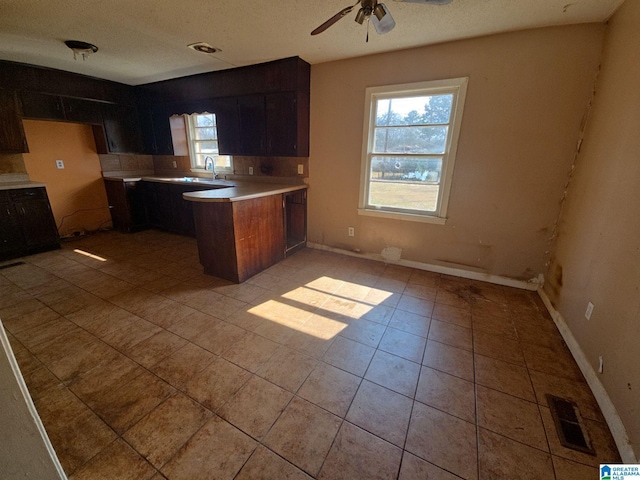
24	214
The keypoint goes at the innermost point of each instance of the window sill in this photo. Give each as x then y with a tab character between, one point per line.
402	216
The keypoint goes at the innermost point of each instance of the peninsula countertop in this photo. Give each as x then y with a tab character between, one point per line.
242	190
220	190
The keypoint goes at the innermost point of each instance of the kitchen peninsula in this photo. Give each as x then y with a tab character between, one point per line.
244	229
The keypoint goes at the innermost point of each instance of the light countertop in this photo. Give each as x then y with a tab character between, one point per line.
241	191
20	184
221	190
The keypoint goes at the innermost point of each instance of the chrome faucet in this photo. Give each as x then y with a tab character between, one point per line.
210	164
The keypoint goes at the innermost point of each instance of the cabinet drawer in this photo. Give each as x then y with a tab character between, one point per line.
21	194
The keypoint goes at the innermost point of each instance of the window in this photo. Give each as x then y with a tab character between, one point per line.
409	146
203	144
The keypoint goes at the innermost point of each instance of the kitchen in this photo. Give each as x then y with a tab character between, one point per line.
510	217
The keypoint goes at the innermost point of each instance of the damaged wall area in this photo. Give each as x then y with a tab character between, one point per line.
525	101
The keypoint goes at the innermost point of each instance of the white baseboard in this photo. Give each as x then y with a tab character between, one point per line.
607	407
532	285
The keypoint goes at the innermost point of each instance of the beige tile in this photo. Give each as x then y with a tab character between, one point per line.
78	364
456	298
309	344
221	338
500	457
394	372
358	454
512	417
379	314
599	435
504	377
126	338
568	470
448	359
218	450
32	337
410	322
392	285
287	368
181	366
422	277
39	380
451	334
119	461
382	412
447	393
415	468
303	435
450	314
159	435
150	351
330	388
364	331
495	346
35	318
167	315
349	355
216	383
266	464
194	325
122	407
255	407
556	361
76	433
403	344
426	292
105	377
577	392
419	306
443	440
495	325
251	351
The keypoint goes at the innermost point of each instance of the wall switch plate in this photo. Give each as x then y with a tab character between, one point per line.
600	364
352	232
589	311
250	170
300	169
175	164
59	164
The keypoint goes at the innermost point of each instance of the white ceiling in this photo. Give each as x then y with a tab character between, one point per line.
142	41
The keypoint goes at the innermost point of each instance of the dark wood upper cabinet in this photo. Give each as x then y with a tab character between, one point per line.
12	138
121	130
261	109
44	106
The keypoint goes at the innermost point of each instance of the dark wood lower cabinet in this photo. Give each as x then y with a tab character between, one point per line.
295	220
26	223
237	240
126	204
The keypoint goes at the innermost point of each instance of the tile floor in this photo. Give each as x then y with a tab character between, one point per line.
323	366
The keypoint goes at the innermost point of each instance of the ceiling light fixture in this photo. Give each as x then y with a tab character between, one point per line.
203	48
83	49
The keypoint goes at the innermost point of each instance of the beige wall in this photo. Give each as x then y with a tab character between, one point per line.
597	255
527	94
76	188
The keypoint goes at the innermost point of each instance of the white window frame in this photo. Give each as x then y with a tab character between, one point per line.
455	86
190	122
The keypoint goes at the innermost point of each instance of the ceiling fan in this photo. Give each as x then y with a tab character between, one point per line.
377	12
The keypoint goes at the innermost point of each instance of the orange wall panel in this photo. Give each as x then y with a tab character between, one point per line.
77	194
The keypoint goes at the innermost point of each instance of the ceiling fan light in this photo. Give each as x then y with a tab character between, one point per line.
385	23
361	16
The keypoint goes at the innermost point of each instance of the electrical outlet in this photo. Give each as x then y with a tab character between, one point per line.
351	232
59	164
175	164
300	169
600	364
250	170
589	311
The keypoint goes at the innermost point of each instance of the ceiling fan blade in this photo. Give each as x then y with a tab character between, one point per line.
333	20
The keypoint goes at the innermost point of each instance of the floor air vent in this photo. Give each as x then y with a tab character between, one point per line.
9	265
569	425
